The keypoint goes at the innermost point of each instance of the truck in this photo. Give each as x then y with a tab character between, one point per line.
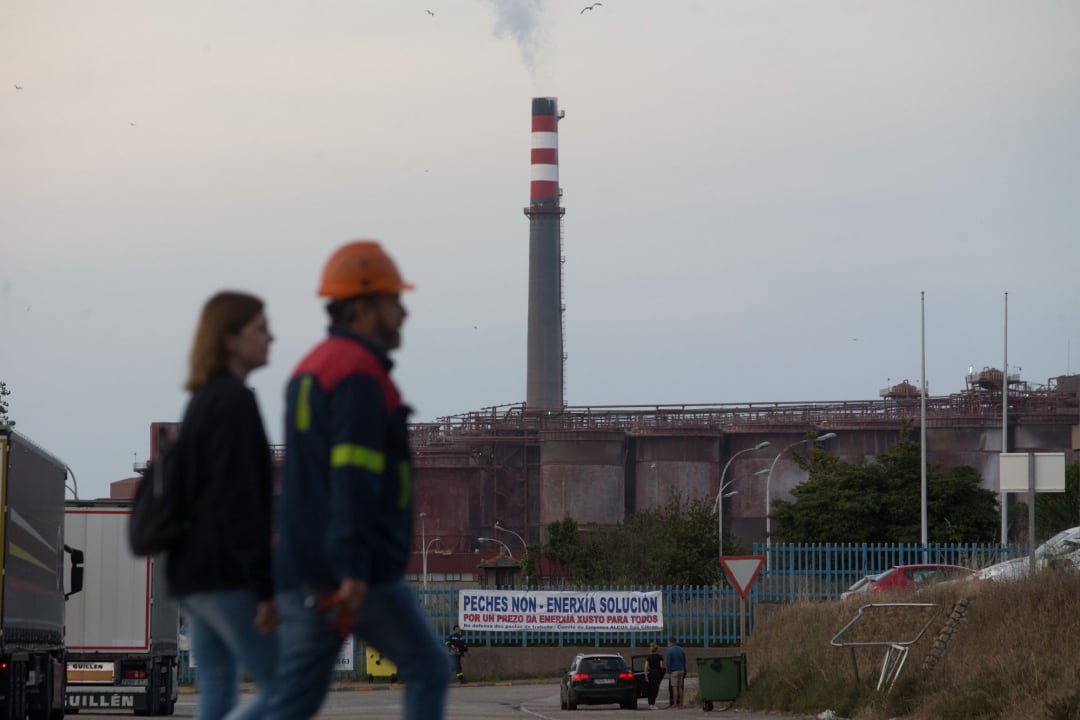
32	579
122	633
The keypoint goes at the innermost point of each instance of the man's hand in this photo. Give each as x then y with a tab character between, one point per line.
353	593
266	617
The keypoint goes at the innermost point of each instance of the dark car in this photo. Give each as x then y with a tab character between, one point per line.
597	680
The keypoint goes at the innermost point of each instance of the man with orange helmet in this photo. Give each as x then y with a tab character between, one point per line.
345	512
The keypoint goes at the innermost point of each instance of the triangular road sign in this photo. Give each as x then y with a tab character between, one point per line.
742	570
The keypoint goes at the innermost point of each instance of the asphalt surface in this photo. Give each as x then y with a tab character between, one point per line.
517	700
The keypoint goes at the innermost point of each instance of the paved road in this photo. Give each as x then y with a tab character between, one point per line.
518	701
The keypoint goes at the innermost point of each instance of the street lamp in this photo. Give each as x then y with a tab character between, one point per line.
496	540
720	511
423	517
524	546
768	493
426	548
719	504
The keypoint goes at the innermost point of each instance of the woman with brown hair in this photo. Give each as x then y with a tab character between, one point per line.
220	570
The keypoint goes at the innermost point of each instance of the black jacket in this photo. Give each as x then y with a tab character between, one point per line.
347	483
230	489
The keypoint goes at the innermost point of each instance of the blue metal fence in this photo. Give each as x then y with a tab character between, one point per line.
823	571
709	616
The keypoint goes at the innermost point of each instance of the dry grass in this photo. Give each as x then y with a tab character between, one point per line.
1016	656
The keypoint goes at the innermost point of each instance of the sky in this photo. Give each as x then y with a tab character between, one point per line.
756	195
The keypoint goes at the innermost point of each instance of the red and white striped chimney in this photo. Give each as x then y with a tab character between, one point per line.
544	361
544	189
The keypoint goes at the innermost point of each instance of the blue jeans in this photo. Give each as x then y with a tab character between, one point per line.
223	640
390	620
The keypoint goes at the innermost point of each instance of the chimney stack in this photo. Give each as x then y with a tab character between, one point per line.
544	385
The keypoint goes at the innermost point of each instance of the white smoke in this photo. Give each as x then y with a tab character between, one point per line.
519	19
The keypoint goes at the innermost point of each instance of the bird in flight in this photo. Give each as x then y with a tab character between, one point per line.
590	7
430	13
18	87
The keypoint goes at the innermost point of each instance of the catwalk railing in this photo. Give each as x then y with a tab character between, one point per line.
961	408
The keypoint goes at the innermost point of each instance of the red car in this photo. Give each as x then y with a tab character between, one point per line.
904	578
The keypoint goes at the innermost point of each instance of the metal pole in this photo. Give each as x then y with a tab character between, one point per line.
1031	511
719	504
1005	425
423	556
506	547
768	494
524	546
768	505
922	434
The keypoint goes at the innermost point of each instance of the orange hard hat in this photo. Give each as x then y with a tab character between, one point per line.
360	267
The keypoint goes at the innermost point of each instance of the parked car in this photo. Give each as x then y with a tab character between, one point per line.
596	680
905	578
859	586
1061	549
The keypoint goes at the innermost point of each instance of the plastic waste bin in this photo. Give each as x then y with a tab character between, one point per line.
720	679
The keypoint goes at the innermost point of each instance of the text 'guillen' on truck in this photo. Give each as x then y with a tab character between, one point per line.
32	595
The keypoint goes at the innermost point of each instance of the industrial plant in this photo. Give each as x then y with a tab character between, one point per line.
488	482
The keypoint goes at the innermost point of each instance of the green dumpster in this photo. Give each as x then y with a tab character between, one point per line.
720	679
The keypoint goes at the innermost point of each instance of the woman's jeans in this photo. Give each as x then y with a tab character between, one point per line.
224	641
390	620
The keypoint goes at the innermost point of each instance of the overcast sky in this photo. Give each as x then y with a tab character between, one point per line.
756	193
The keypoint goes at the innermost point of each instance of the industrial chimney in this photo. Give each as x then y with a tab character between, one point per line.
544	384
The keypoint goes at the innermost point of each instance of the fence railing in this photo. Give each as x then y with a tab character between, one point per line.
709	615
823	571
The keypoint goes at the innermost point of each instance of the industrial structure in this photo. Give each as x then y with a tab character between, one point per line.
499	476
598	464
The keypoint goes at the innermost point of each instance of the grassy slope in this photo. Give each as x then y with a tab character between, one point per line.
1016	655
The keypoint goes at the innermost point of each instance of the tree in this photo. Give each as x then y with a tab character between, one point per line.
672	545
563	545
879	502
4	418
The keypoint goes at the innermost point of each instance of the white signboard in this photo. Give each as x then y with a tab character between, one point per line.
1049	472
560	610
346	655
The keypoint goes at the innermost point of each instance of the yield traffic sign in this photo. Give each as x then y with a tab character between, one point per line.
742	570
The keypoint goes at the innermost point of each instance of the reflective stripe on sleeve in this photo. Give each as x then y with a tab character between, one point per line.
358	456
405	471
303	405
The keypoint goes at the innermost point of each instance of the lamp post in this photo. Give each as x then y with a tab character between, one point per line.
768	492
524	546
719	504
426	548
423	551
720	512
496	540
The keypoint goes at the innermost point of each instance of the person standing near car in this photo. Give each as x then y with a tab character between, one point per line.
675	660
458	647
345	532
654	673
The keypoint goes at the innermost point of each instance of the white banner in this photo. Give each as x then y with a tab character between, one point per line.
560	610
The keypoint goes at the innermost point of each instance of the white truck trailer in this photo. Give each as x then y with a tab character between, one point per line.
122	628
